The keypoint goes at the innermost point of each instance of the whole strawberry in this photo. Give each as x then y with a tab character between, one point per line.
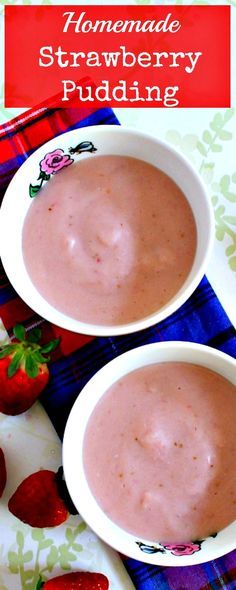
37	500
76	581
23	370
3	473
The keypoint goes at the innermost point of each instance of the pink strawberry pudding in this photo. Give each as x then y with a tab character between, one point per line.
160	452
109	240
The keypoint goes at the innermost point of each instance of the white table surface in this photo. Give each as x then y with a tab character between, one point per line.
29	441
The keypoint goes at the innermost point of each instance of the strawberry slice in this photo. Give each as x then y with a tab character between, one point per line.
23	370
3	473
37	500
76	581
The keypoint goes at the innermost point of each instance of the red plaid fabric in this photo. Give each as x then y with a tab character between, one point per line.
200	319
19	138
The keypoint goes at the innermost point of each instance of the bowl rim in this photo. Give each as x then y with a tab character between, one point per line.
173	347
45	309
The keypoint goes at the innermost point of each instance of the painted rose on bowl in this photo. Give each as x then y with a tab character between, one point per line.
55	161
185	549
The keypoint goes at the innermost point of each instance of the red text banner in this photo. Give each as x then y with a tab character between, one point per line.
126	56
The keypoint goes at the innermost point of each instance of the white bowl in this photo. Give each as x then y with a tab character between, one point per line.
111	533
108	139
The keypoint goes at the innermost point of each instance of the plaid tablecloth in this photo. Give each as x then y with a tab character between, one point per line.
201	319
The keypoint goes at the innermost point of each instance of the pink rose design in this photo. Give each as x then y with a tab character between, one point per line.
55	161
186	549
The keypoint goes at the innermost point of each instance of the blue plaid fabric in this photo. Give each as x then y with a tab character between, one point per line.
201	319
